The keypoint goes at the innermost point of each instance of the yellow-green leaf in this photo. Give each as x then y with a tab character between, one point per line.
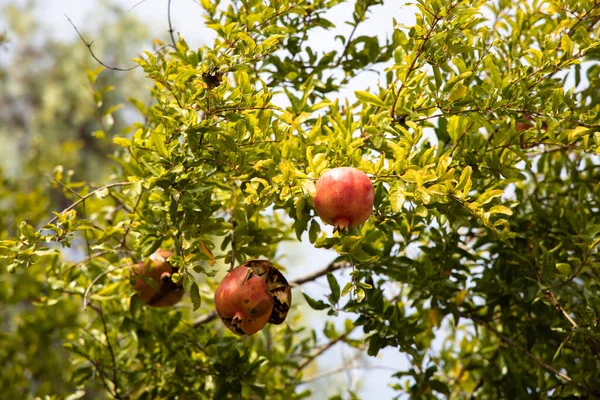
370	98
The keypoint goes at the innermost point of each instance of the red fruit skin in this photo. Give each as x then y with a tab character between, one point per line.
344	197
243	302
159	270
527	123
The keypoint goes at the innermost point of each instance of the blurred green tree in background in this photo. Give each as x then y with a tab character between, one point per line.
48	115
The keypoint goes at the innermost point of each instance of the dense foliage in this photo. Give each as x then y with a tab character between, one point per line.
482	142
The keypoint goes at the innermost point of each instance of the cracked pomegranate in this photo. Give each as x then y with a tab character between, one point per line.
344	198
251	295
152	280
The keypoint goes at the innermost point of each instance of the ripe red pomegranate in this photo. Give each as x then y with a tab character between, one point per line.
156	269
252	295
344	197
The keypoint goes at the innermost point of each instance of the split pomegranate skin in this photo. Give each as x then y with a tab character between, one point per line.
344	197
252	295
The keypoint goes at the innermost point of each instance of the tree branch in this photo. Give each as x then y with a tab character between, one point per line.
343	368
137	203
233	226
170	25
99	61
413	64
517	346
89	46
317	274
347	46
83	262
554	301
100	275
87	196
110	349
322	350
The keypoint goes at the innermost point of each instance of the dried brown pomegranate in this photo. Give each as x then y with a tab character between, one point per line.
344	197
252	295
156	269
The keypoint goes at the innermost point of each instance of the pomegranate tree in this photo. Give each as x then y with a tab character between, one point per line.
344	198
152	280
251	295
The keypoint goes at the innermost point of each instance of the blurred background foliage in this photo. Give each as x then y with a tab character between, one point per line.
48	116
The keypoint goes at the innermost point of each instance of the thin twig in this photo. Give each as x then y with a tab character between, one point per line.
233	226
205	319
136	4
66	187
322	350
120	203
110	349
103	377
553	300
89	46
137	203
87	239
347	46
322	272
98	60
83	262
413	65
343	368
87	196
100	275
517	346
170	25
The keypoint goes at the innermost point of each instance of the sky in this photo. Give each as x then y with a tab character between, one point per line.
300	259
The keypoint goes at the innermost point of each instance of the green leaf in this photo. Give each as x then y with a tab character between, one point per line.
122	141
489	196
421	211
314	231
564	269
369	98
465	178
247	40
335	288
157	138
576	133
315	304
101	193
362	257
271	41
458	92
501	210
135	305
347	288
195	296
360	294
566	44
397	197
